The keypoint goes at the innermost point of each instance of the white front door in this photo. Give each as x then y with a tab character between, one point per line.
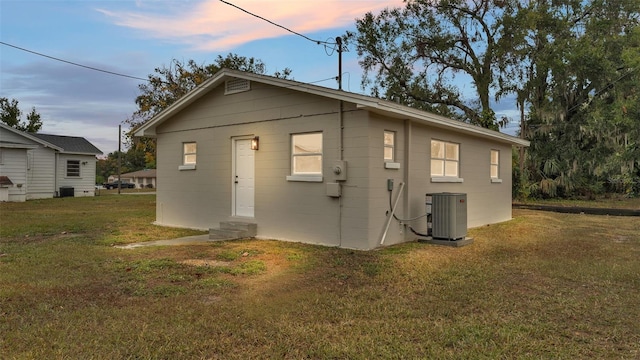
243	180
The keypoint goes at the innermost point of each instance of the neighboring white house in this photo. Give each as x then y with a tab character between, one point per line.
142	178
317	165
39	166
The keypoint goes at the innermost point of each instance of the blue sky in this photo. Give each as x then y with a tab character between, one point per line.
135	37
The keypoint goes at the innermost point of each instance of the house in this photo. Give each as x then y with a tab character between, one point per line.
311	164
142	178
36	166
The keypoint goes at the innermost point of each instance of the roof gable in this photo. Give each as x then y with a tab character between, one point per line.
384	107
65	144
27	136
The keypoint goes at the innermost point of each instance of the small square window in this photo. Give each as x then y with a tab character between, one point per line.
73	168
445	159
306	157
189	153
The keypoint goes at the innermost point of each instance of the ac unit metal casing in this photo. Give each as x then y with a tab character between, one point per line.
449	216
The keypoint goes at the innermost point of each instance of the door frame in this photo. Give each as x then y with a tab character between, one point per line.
234	140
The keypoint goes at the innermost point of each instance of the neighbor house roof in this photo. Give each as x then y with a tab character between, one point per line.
4	181
70	144
65	144
146	173
368	103
28	136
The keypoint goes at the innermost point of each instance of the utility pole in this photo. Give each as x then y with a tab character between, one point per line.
119	157
339	43
522	136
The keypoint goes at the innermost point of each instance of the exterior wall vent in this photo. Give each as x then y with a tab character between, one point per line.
448	215
236	85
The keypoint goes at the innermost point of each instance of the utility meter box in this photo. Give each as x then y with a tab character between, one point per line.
339	169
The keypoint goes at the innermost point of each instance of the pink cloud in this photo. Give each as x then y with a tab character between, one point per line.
213	26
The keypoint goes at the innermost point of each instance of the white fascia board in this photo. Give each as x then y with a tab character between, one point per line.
32	138
17	146
442	122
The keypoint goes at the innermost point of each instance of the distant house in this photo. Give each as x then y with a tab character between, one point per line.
36	166
142	178
306	163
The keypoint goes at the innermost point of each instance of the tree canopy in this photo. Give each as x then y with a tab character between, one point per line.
574	66
11	115
412	55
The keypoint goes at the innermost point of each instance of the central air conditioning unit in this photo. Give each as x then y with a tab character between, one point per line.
447	215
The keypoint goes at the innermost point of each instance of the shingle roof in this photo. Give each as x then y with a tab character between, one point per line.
375	105
70	144
146	173
4	181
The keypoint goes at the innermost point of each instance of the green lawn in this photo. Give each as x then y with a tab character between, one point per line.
545	285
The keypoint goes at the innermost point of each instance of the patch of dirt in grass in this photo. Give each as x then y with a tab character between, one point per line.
204	262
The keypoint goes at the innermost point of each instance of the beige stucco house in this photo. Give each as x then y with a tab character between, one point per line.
317	165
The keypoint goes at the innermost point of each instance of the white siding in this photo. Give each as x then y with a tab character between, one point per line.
41	173
83	185
14	166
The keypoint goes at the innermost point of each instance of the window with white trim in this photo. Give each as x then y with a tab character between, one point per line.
73	168
306	155
445	159
389	146
189	152
495	164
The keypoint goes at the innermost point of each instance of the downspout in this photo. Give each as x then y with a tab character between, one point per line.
407	167
340	157
340	137
55	174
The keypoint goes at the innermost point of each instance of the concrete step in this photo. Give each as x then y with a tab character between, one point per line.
231	230
251	229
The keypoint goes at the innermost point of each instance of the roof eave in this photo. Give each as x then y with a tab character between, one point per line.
32	138
361	101
149	128
442	122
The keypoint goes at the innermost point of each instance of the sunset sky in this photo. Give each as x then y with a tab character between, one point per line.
135	37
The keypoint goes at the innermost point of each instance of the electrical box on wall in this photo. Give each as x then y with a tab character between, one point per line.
340	170
334	190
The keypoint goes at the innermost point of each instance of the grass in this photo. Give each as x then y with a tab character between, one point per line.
544	285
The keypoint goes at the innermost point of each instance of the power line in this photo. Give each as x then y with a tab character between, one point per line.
278	25
72	63
115	73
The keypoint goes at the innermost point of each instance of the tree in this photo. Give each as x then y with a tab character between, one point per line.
414	54
169	84
581	62
11	114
